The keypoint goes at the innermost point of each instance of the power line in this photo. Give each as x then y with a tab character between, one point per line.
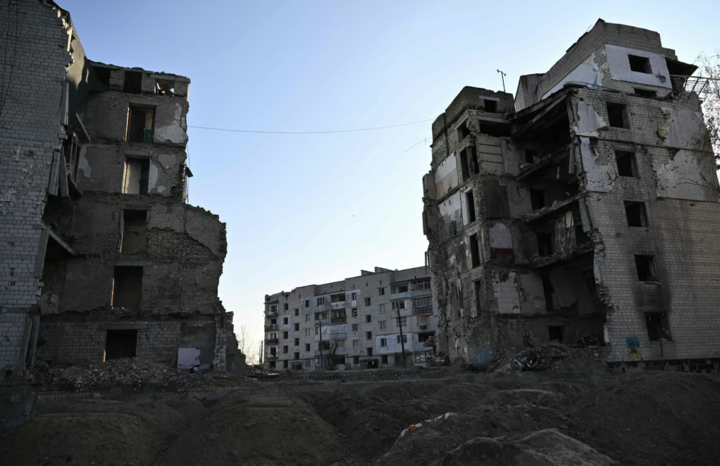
310	132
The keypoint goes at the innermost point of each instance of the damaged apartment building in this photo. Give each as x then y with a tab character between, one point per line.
368	321
100	255
585	207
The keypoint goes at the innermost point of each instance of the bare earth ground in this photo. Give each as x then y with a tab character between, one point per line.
645	419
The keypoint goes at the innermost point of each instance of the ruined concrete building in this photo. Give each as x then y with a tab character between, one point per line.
585	207
360	322
100	257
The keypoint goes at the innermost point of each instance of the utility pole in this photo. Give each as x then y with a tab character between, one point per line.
402	340
319	325
502	75
262	342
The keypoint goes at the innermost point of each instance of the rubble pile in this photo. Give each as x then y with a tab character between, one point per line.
118	372
554	357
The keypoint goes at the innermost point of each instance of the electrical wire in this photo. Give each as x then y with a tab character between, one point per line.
310	132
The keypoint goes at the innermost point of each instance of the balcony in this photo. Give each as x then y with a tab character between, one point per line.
272	356
337	336
271	313
338	320
272	341
420	348
271	327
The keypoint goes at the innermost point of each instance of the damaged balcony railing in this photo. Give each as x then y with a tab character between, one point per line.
272	341
701	85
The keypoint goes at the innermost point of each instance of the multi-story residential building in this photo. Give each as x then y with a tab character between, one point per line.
100	257
360	322
586	205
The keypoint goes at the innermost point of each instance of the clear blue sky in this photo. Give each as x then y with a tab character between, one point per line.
303	209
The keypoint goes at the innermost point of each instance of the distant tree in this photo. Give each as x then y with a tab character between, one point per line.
247	346
709	67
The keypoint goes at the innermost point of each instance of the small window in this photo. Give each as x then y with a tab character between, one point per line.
658	326
356	343
320	301
401	322
120	344
383	324
367	302
296	342
307	318
383	342
354	327
368	319
398	305
353	296
646	268
286	306
297	312
165	87
134	231
404	338
368	335
140	124
308	332
127	288
285	335
135	178
490	105
285	364
307	303
556	332
495	129
381	308
532	155
616	115
285	321
478	296
102	75
474	251
297	355
626	163
465	165
307	346
285	349
381	291
645	92
384	358
635	213
639	64
537	199
133	82
337	298
297	327
369	351
463	131
470	206
354	312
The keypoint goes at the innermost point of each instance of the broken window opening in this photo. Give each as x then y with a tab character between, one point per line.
368	335
490	105
384	359
463	131
537	199
474	251
127	288
120	344
544	243
354	312
478	296
296	342
626	163
495	129
141	121
285	335
644	92
369	351
307	346
337	298
658	326
580	236
102	75
532	155
548	291
285	364
639	64
165	87
556	332
381	291
646	268
307	303
617	115
464	165
368	318
356	360
474	160
285	306
296	356
470	206
635	213
134	236
133	82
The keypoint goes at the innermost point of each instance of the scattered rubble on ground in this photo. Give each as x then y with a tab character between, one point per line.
556	357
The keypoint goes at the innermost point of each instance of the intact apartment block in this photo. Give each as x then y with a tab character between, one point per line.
584	208
100	255
368	321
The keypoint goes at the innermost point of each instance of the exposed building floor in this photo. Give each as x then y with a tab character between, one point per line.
645	418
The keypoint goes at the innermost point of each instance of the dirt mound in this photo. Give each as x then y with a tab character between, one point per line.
554	357
255	430
130	371
93	432
542	448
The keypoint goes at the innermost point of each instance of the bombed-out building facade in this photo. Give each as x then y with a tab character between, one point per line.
368	321
584	208
100	255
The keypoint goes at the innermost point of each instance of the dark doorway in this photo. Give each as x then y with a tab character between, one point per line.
120	344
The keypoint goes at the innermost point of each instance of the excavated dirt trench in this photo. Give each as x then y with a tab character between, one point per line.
640	419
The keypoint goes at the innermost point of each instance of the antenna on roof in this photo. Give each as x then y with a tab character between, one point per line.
502	75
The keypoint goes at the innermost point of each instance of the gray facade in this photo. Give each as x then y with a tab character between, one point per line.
357	319
100	255
585	207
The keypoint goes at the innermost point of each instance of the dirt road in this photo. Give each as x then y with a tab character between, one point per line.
640	419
